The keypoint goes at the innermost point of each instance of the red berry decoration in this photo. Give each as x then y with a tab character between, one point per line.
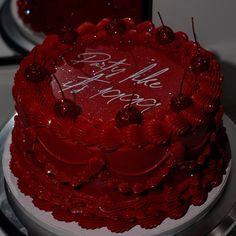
116	27
164	34
127	116
180	102
199	63
66	108
35	73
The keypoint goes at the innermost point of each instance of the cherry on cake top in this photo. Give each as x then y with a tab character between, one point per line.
97	69
164	34
55	15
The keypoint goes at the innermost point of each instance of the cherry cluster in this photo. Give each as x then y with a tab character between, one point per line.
63	107
66	108
179	102
199	63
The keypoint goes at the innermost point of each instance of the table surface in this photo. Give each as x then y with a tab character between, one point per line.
224	46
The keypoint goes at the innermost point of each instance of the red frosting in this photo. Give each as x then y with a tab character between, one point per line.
84	166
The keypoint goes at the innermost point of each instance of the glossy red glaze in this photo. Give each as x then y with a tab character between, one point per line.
89	169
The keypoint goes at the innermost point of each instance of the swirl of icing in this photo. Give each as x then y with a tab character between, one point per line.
179	211
194	116
156	132
146	26
177	124
205	102
110	138
212	89
134	135
199	197
84	132
86	28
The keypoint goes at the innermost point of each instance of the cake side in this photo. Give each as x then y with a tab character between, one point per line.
93	165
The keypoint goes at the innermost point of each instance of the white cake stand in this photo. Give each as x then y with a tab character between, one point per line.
41	223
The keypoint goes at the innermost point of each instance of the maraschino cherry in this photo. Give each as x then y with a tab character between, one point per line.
180	101
199	63
66	108
164	34
129	115
35	72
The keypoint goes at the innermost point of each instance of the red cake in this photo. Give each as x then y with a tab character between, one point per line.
54	15
118	125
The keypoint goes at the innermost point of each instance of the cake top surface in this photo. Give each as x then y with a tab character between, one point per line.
102	79
116	65
116	74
